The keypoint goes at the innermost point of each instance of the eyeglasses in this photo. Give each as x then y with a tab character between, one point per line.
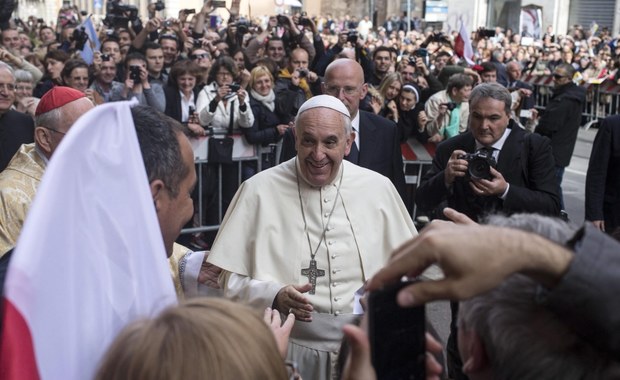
54	130
558	76
224	74
7	86
199	56
335	90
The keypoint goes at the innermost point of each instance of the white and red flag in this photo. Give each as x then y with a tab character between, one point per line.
463	47
90	258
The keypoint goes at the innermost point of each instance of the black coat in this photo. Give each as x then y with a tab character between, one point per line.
16	128
264	130
561	120
173	102
526	163
603	179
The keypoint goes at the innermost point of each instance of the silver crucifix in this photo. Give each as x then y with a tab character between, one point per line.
312	273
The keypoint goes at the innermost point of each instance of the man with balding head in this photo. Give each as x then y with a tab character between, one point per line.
58	109
377	143
297	237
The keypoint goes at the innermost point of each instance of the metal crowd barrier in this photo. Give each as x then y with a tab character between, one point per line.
200	147
602	97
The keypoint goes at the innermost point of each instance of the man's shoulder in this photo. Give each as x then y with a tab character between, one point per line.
274	176
370	119
11	117
438	96
365	177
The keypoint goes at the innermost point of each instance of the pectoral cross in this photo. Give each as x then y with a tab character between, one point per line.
312	273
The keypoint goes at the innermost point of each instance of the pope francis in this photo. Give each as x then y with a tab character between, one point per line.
303	236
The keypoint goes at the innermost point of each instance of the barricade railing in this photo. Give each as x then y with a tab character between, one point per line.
602	97
243	153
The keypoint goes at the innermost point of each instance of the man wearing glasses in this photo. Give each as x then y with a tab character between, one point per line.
16	128
561	119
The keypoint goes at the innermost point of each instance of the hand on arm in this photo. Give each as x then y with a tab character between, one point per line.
497	186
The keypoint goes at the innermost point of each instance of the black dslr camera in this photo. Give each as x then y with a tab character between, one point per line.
234	87
479	165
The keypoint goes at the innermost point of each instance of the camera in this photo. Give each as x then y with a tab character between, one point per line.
479	165
106	57
352	36
243	26
197	42
450	106
486	33
189	11
303	73
282	20
118	15
167	24
159	5
134	73
80	37
234	87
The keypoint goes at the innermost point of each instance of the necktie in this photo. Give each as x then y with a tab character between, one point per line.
353	154
488	151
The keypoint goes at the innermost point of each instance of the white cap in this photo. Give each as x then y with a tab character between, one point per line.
326	101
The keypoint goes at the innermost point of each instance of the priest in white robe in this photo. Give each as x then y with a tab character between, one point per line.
303	236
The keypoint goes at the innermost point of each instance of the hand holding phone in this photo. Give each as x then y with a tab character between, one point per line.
397	336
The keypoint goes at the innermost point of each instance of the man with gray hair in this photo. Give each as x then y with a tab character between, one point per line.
508	333
16	128
493	167
303	236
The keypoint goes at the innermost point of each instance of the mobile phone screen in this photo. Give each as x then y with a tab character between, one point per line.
397	341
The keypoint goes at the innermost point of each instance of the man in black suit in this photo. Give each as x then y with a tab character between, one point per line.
521	181
603	180
16	128
377	144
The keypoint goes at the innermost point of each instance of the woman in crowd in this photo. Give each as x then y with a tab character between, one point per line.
409	108
389	88
75	75
205	338
24	85
54	63
182	94
268	126
243	64
224	108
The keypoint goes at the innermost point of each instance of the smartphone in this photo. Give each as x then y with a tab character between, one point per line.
66	4
525	113
397	341
189	11
219	4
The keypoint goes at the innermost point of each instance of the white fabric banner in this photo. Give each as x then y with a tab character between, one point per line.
90	258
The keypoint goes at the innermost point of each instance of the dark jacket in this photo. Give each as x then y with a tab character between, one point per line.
264	130
173	102
16	128
525	162
561	120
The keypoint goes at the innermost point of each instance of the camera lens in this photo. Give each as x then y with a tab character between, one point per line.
479	168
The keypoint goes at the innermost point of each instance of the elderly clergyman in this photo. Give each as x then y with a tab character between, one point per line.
302	237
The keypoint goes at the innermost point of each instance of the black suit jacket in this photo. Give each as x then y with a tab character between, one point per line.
173	102
16	128
527	103
380	149
603	179
525	161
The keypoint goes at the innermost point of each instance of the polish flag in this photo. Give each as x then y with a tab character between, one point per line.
462	46
90	258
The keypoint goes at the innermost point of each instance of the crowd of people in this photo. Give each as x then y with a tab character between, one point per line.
326	104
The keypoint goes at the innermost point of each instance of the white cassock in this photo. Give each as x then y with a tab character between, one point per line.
262	247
